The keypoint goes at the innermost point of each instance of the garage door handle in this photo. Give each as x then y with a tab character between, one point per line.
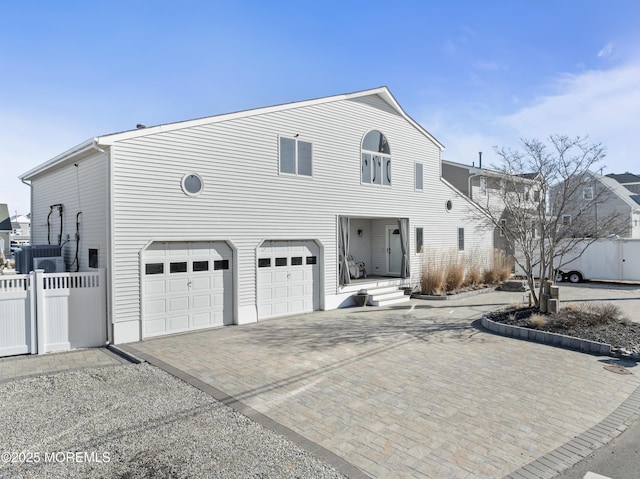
188	284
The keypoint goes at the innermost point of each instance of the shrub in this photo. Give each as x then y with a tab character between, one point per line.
592	314
538	320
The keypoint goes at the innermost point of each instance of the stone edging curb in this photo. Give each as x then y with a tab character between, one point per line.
583	445
569	342
555	339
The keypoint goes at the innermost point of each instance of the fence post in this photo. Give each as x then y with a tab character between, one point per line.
41	316
30	287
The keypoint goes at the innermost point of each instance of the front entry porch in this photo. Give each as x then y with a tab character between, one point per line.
373	257
378	246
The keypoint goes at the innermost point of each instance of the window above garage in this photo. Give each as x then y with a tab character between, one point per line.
295	157
375	166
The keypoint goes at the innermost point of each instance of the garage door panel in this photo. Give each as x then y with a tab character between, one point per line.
179	323
293	286
296	291
280	292
202	301
155	326
187	286
156	287
280	277
199	284
281	308
218	300
202	319
265	311
219	282
178	304
178	285
157	306
265	294
265	277
296	275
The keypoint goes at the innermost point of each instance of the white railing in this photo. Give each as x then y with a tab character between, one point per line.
42	312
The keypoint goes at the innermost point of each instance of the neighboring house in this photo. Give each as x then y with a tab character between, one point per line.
250	215
628	180
21	230
486	188
5	230
599	198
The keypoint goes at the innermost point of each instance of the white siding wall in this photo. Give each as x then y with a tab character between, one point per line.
360	246
79	188
245	200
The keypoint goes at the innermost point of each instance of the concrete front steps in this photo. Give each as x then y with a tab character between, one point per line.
386	295
382	291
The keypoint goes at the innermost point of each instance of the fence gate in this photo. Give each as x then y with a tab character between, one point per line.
41	312
17	324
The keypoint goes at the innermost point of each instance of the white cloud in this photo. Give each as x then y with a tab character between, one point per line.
603	105
606	51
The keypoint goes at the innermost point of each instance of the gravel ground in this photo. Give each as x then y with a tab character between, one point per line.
136	421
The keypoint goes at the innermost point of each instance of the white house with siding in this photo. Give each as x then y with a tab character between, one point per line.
251	215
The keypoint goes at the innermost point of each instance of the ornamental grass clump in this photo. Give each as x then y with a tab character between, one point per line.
433	279
474	270
455	272
499	269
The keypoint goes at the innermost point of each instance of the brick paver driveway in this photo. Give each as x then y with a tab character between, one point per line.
412	391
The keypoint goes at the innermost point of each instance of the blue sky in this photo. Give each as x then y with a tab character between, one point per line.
475	74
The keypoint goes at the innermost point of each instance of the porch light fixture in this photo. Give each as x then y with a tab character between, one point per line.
360	232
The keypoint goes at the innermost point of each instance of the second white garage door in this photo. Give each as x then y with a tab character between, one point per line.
288	278
186	286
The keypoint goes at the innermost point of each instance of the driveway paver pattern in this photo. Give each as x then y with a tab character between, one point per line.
409	391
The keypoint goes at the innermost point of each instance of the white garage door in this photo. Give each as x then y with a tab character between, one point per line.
288	278
186	286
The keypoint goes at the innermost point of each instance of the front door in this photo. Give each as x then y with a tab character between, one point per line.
394	250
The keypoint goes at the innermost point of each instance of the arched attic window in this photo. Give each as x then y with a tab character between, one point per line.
376	159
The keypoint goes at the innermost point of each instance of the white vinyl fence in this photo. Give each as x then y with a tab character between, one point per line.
42	312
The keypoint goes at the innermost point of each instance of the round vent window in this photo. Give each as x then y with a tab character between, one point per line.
449	205
192	184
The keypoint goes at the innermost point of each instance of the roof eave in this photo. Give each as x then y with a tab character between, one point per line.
76	151
383	92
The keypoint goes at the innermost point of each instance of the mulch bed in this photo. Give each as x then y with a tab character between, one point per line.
618	334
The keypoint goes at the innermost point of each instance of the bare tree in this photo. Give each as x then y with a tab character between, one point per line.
538	186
